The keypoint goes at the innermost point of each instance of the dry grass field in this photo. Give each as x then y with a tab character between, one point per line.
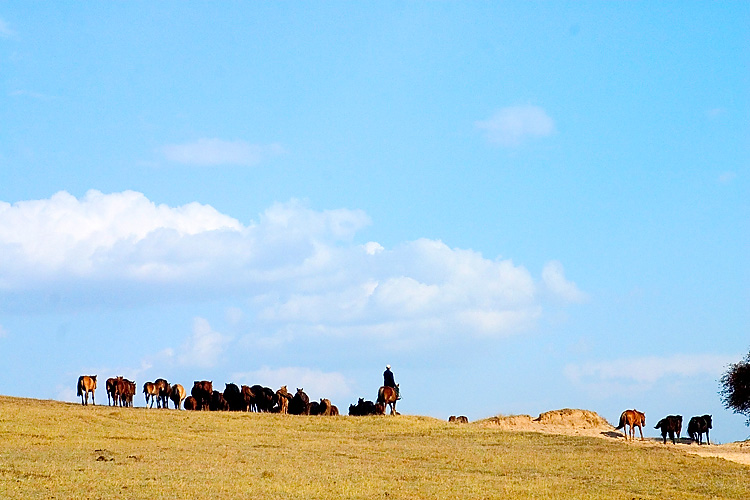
57	450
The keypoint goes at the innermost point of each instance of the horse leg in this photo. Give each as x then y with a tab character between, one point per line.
640	429
707	440
93	401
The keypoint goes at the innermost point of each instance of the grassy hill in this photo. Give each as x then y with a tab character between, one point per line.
58	450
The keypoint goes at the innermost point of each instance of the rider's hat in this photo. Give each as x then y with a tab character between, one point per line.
388	367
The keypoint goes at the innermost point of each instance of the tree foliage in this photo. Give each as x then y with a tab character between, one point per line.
735	388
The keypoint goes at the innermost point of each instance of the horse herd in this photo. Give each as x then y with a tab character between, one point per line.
670	425
256	398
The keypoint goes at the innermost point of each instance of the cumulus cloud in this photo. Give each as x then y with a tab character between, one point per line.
300	270
204	347
648	370
102	236
512	126
214	152
553	276
316	383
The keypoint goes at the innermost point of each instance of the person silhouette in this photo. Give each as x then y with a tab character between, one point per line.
388	380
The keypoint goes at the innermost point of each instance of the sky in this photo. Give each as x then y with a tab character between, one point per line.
520	206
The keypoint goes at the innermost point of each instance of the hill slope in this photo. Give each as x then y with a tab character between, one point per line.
50	449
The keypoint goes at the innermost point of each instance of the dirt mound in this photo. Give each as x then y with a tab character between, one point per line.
581	419
565	421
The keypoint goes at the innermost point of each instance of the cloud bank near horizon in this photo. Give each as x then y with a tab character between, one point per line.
300	269
647	371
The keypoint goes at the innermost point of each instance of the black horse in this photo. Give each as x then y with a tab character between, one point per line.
671	424
697	426
299	404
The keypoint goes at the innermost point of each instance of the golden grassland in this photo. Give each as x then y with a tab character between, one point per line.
60	450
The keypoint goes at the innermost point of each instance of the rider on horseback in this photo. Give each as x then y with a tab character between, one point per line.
388	380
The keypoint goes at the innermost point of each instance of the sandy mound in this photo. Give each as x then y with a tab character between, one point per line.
588	423
580	419
565	421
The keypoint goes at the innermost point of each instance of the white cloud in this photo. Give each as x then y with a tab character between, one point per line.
214	152
553	276
5	30
727	177
316	383
512	126
204	347
300	271
648	370
101	236
31	94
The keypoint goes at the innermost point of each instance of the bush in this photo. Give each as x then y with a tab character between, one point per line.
735	388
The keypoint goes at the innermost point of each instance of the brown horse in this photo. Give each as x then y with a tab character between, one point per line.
633	418
387	396
177	395
86	384
283	397
151	391
125	391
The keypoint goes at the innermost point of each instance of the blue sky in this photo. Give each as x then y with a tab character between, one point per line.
526	206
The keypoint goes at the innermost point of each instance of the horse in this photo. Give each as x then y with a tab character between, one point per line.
324	408
697	426
633	418
164	392
111	386
300	403
86	384
202	391
191	403
177	395
671	424
388	396
126	389
362	408
233	397
151	391
283	397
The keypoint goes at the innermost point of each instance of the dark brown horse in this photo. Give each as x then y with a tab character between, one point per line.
165	390
111	386
86	384
125	391
387	396
633	418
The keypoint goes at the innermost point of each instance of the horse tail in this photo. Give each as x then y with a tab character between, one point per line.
80	384
381	395
622	422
